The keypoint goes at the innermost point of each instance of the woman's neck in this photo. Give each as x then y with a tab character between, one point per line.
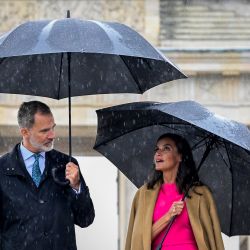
169	176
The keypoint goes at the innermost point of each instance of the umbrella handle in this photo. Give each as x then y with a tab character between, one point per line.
59	181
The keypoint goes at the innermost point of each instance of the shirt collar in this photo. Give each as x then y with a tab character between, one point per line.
27	153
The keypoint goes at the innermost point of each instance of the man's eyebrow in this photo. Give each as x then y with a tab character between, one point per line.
46	129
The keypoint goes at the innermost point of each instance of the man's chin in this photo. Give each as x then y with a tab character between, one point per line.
42	147
47	148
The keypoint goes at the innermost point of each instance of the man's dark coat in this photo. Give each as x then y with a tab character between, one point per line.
41	218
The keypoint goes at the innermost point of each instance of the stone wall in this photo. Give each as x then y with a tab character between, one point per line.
204	23
14	12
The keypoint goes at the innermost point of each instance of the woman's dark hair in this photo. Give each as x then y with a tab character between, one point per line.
187	175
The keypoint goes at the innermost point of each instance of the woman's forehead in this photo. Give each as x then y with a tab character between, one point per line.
165	140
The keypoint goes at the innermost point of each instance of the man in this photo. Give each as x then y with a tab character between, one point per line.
35	212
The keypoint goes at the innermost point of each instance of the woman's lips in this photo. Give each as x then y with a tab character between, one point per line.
158	160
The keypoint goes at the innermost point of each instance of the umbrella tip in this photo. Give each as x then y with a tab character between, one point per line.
68	14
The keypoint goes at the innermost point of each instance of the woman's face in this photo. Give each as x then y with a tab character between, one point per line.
166	155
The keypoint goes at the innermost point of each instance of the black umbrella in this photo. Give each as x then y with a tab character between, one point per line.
127	135
70	57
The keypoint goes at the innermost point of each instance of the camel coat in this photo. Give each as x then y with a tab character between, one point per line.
202	214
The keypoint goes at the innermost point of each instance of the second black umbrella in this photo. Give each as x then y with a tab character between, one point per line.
127	136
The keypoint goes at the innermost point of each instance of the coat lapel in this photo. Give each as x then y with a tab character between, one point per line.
148	206
55	159
16	164
16	167
47	169
52	159
193	207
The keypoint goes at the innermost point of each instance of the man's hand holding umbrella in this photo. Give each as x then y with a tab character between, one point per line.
73	175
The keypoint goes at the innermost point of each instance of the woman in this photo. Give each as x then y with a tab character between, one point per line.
155	203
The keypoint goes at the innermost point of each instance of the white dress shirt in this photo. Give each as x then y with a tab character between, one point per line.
29	160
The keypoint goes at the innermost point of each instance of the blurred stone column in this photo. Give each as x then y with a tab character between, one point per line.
152	21
126	194
244	243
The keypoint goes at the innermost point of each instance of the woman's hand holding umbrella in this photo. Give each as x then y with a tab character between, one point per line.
175	209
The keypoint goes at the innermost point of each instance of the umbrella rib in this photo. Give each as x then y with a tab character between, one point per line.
210	144
2	59
231	215
248	152
166	125
239	156
198	128
60	74
199	143
216	144
178	124
118	136
132	130
236	152
133	75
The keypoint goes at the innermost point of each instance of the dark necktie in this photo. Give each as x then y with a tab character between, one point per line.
36	172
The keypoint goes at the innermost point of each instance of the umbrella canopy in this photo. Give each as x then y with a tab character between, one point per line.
104	58
71	57
127	136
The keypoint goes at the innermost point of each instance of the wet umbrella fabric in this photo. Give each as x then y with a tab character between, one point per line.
71	57
105	58
127	135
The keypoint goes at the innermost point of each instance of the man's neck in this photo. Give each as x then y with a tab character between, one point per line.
31	149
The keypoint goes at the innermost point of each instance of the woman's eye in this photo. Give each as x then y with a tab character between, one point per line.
163	149
167	148
156	149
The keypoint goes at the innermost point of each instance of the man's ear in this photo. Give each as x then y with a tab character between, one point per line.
24	132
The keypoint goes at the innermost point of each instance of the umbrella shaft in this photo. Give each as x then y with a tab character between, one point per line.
159	247
69	98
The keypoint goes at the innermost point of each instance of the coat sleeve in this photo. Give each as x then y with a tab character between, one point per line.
131	222
215	222
81	204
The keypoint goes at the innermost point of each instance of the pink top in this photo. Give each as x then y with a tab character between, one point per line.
180	235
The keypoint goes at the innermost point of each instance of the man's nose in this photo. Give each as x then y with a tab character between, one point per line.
51	134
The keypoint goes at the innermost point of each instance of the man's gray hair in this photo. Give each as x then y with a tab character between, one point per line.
27	111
